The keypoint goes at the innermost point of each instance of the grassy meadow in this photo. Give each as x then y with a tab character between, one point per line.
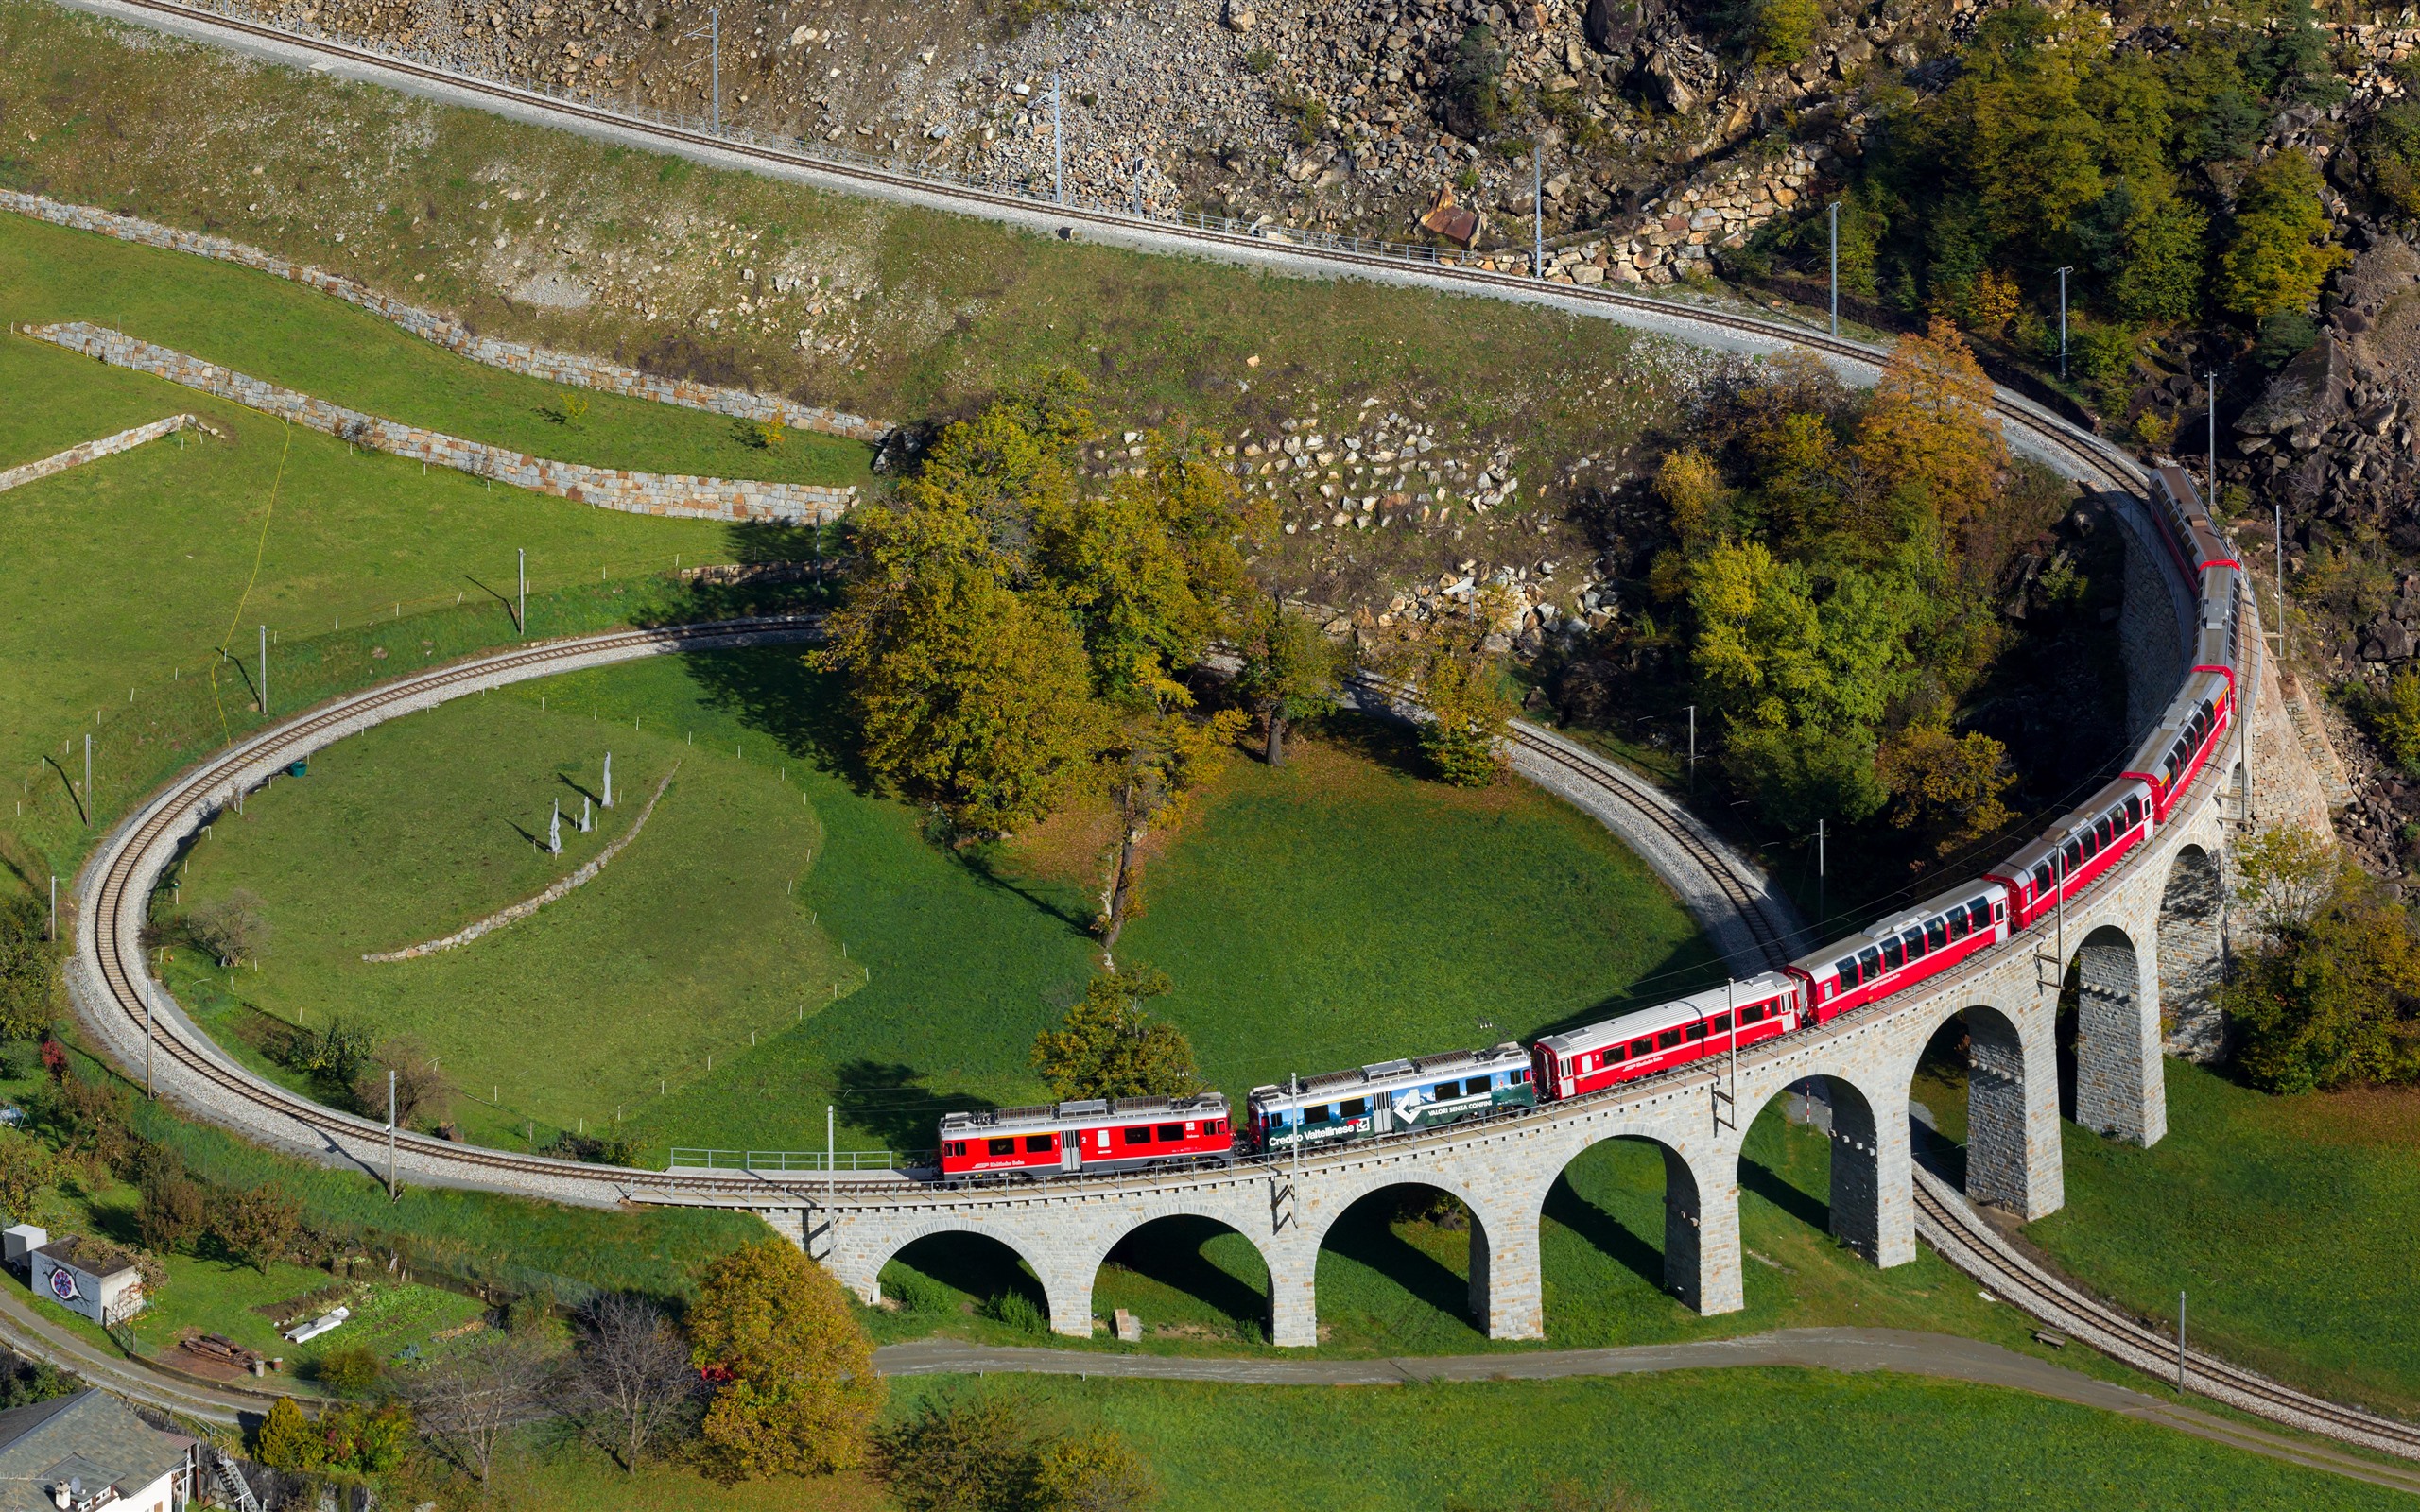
880	972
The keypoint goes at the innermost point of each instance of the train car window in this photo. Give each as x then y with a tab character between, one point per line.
2101	833
1892	956
958	1146
1721	1023
2134	811
1936	934
1217	1126
1749	1016
1913	940
2042	878
1040	1144
1959	923
1008	1146
1143	1136
1640	1047
1697	1031
1172	1133
2091	845
1668	1039
1354	1107
1980	913
2074	854
1613	1054
1869	964
1846	967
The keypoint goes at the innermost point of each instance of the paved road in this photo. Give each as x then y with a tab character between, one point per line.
1942	1356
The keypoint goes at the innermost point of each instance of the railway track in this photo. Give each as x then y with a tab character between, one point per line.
117	888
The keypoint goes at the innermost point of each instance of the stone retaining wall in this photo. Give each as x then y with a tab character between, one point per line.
656	493
83	451
537	362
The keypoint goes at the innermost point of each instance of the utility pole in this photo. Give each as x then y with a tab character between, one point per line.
712	33
1693	747
831	1155
146	1039
391	1134
521	555
1058	145
2279	517
264	672
1836	267
54	908
1537	211
2180	1344
2063	320
2211	503
1822	911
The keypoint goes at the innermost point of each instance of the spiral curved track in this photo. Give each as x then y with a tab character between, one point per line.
109	989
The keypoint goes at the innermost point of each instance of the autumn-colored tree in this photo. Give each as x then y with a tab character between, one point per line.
1946	786
2397	719
970	695
1692	486
1932	432
798	1387
1288	673
1165	758
1470	719
1108	1046
173	1212
1150	567
2278	255
1993	305
951	1456
286	1441
2284	876
2333	1001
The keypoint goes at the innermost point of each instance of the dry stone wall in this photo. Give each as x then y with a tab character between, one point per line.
83	451
566	367
657	493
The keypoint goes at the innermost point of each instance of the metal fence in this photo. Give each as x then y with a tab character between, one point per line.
690	1159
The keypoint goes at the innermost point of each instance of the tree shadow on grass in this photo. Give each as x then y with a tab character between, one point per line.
1388	743
986	865
1365	1234
1171	1252
892	1102
1606	1233
772	689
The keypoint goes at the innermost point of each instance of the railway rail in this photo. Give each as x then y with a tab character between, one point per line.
115	886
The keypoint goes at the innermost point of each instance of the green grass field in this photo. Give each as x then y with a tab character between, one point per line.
1723	1441
2287	1221
290	334
1298	918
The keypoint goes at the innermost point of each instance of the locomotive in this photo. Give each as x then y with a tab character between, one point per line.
1897	953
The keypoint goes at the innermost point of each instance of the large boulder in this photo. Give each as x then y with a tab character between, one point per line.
1608	24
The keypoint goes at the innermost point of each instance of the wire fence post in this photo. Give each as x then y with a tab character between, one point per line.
1836	267
520	624
88	779
2180	1343
265	669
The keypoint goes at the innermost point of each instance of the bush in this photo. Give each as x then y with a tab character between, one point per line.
2333	997
596	1149
2284	336
981	1456
2395	715
1473	104
421	1094
1785	30
21	1059
1017	1311
352	1370
1259	61
915	1291
173	1214
258	1227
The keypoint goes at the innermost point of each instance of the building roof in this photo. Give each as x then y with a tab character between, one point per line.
69	1251
90	1436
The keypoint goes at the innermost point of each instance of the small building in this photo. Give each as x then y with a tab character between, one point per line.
89	1452
91	1279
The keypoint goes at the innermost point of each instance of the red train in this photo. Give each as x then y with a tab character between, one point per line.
1898	953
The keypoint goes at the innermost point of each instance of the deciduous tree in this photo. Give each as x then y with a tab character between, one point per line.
1167	758
635	1374
1108	1046
1932	430
25	1172
1289	674
28	968
472	1400
1946	786
2333	999
256	1225
798	1388
2278	256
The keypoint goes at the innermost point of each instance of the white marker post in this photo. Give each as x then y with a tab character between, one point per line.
609	781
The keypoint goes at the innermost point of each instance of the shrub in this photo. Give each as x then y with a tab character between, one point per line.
954	1456
28	971
1783	29
352	1370
2276	261
914	1291
1017	1311
258	1226
799	1388
173	1212
421	1091
1474	102
2396	717
1259	61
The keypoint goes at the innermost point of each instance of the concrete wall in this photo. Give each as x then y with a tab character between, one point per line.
656	493
537	362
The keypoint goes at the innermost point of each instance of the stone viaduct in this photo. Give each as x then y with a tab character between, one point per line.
2155	922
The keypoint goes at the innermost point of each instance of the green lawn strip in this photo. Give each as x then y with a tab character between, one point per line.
684	946
2286	1221
1730	1439
550	1471
287	333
